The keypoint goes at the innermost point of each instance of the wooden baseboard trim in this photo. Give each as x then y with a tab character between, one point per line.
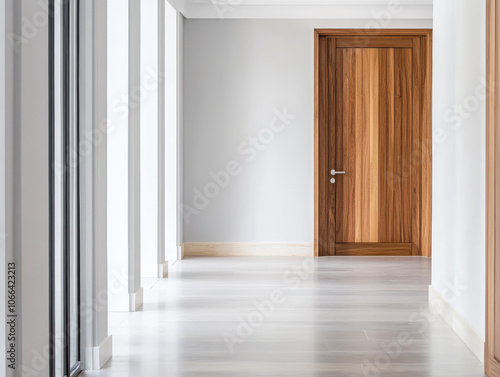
208	249
373	249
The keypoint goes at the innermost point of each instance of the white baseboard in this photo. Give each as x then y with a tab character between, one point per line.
136	300
173	253
182	252
163	270
458	323
249	249
97	357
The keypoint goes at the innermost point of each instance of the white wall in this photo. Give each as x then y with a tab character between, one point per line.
237	74
28	191
458	268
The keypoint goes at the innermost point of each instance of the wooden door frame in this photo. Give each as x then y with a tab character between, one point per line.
321	123
492	365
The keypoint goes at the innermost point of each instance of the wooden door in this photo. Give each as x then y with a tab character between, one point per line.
370	124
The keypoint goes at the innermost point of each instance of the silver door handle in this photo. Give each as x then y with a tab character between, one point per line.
333	172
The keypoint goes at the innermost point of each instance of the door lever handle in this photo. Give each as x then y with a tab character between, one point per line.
333	172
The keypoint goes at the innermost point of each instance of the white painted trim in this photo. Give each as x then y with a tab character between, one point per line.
102	353
458	323
178	5
136	300
180	134
161	139
152	140
134	154
207	249
361	10
163	270
94	328
171	251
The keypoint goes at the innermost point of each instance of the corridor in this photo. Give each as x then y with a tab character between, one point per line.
248	317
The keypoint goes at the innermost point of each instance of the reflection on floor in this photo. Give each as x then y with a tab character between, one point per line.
248	317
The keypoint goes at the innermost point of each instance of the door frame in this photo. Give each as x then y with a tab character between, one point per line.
321	235
492	365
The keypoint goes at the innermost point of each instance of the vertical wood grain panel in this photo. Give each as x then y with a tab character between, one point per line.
395	178
359	126
367	150
321	148
494	173
492	344
406	137
390	150
386	145
346	203
332	115
366	125
373	80
416	158
383	136
350	143
339	157
426	136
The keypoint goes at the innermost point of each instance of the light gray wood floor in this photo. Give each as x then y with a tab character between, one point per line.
245	317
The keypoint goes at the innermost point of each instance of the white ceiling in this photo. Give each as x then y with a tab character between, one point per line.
304	9
310	3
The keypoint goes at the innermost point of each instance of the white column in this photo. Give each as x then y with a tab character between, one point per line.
124	97
180	133
162	262
96	343
151	207
118	113
134	157
173	135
